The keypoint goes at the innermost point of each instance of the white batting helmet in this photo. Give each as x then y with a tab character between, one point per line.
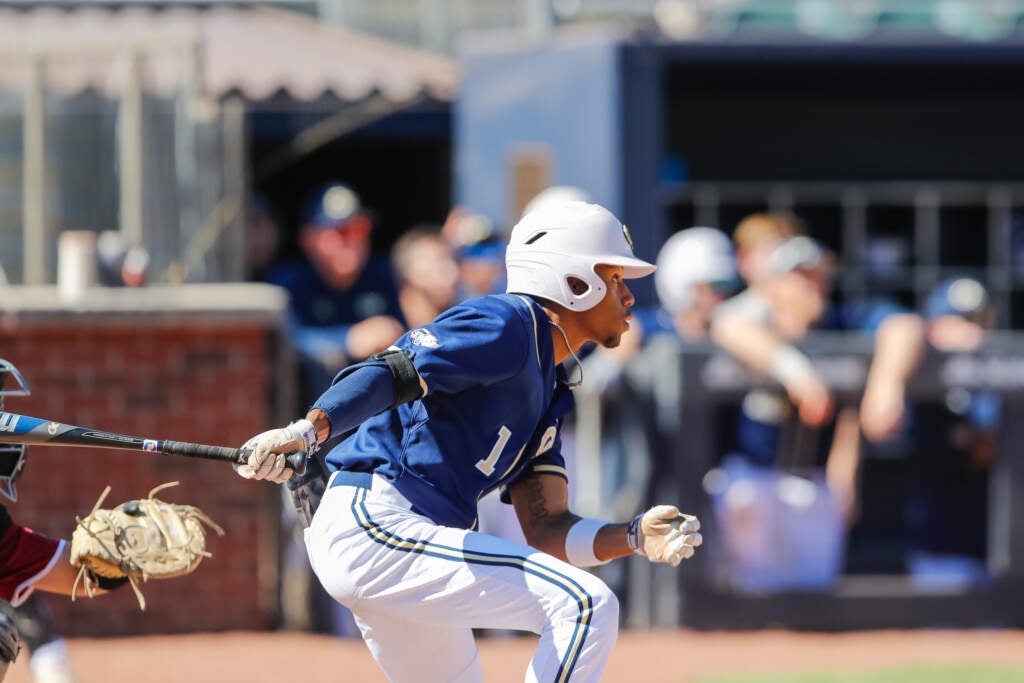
691	257
568	239
556	194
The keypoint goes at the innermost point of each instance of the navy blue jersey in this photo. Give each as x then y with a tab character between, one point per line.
953	443
760	422
321	315
490	416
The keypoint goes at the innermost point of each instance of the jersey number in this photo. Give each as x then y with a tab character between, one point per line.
487	464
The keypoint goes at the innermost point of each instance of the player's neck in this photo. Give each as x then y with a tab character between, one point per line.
563	334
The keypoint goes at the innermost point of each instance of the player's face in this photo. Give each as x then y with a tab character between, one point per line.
606	322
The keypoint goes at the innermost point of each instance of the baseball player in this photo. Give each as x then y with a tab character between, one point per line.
467	404
28	560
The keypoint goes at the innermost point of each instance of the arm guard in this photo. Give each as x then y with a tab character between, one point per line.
404	377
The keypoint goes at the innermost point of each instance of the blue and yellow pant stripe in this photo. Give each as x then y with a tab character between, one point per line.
583	600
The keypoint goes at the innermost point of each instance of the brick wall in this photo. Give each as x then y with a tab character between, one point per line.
154	377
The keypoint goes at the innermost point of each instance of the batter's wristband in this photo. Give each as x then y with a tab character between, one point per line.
633	534
107	583
579	543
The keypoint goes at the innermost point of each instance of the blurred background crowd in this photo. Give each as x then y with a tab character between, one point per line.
816	179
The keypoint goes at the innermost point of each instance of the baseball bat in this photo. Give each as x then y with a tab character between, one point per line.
23	429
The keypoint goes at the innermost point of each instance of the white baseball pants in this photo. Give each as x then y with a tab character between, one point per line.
418	589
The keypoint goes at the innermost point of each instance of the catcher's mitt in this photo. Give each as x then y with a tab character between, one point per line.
139	539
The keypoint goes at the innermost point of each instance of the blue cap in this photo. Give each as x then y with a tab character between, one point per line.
489	250
332	205
963	296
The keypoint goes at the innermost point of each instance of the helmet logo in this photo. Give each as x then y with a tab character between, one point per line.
629	239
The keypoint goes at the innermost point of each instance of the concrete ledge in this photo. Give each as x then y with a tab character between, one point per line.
190	304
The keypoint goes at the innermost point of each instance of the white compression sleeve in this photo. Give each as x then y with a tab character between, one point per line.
579	543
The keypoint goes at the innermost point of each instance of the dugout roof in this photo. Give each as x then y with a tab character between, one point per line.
258	52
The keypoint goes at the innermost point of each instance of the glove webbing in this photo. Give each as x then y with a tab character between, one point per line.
90	582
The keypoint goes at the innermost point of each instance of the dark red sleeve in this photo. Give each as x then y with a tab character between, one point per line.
25	557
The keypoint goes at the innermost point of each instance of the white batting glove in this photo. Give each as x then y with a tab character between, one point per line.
662	534
269	449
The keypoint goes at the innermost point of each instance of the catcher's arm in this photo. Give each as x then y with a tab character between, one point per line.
61	577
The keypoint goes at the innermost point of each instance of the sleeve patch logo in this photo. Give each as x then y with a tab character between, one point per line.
421	336
149	445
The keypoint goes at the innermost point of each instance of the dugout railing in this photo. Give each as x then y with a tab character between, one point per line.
652	432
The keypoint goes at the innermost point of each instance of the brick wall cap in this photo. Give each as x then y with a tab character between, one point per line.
246	302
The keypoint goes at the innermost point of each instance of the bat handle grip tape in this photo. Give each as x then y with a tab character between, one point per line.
296	461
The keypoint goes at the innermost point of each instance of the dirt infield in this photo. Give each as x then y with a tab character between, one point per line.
639	657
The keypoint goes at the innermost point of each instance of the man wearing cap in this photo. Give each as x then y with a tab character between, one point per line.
696	272
796	430
344	301
954	444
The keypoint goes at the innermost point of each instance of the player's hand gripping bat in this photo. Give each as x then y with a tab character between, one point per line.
23	429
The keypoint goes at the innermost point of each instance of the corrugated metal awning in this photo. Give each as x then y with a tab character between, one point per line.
256	51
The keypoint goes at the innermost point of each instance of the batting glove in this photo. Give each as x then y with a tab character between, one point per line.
662	534
269	450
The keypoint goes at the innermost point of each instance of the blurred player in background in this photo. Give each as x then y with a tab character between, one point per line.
696	272
426	272
954	445
786	496
756	238
479	251
470	403
344	305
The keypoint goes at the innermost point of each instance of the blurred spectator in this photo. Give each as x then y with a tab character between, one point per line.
479	251
262	238
784	498
756	238
135	267
954	446
427	275
696	272
344	304
120	265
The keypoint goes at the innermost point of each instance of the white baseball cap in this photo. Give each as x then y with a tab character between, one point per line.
691	257
568	239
